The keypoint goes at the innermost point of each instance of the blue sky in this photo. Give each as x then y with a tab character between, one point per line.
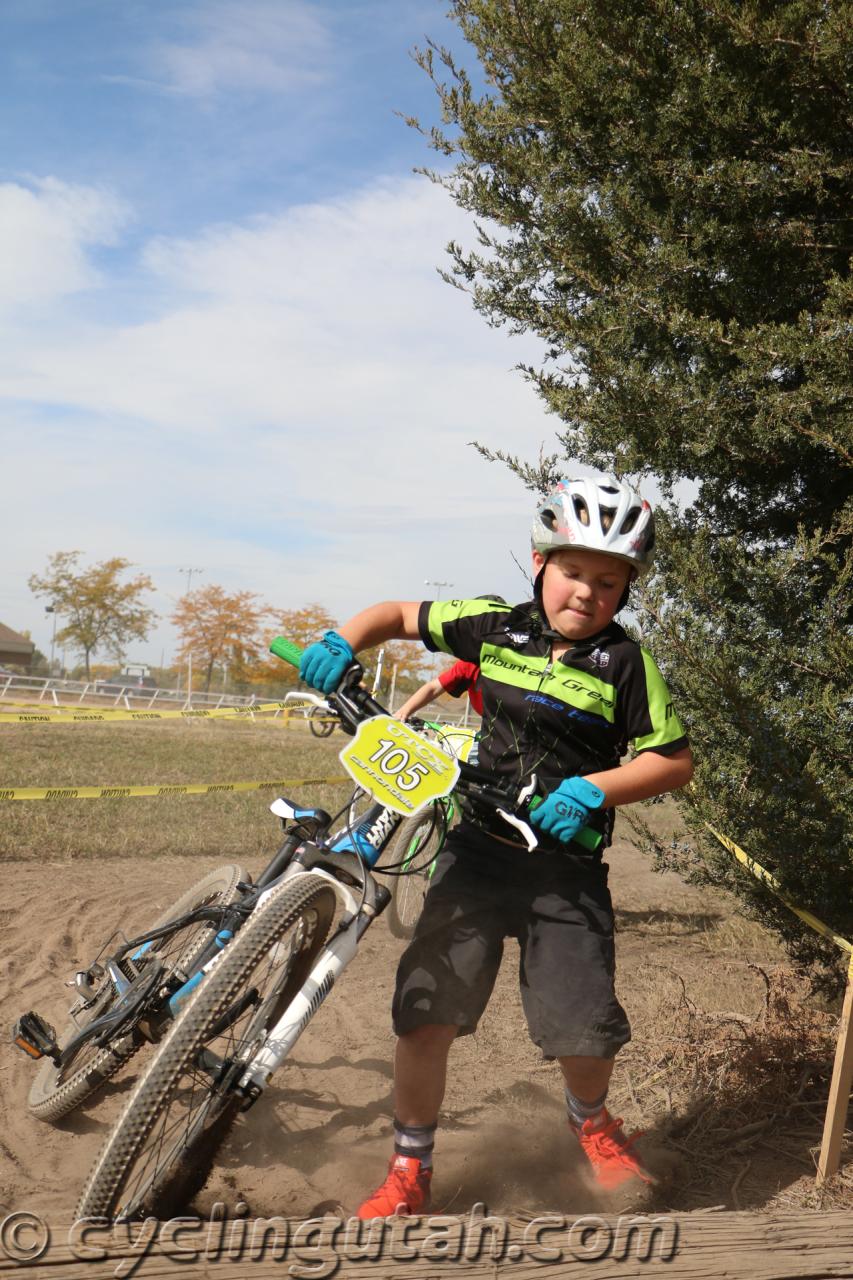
223	339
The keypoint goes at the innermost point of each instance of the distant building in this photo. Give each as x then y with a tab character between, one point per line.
15	650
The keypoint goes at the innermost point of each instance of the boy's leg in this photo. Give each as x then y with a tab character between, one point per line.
420	1073
573	1014
586	1078
444	981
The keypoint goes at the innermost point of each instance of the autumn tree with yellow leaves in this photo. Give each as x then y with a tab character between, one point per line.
99	611
219	629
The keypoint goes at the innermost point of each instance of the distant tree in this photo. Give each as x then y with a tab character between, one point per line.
99	611
218	628
664	195
39	665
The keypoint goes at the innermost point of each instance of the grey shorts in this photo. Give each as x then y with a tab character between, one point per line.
558	907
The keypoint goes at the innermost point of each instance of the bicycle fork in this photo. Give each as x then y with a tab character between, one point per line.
330	964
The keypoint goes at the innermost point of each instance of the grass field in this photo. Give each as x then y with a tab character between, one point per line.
215	826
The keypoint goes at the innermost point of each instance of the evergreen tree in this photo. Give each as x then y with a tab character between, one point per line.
664	195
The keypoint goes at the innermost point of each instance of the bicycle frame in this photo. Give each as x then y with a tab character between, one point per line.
341	848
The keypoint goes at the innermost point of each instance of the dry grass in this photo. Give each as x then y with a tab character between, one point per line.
740	1096
216	826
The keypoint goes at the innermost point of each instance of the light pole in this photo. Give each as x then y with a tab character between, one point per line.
189	573
51	608
432	582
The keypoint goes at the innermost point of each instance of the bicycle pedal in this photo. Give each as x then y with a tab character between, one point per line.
35	1037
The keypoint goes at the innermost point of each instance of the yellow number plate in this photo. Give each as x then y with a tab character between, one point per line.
396	766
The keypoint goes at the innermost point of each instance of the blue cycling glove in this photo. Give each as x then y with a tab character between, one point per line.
325	662
565	811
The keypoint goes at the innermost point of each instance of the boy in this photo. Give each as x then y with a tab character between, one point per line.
564	691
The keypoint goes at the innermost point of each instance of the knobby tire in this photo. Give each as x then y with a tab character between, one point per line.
415	845
161	1151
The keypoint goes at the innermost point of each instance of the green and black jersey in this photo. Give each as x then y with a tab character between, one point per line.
556	718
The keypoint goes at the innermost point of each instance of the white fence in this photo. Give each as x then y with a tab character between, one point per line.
65	693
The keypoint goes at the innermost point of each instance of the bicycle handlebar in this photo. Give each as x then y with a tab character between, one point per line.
353	704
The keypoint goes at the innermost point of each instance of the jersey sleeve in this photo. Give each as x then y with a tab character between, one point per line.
459	678
650	720
459	627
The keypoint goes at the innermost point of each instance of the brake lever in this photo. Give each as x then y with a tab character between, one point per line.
522	827
526	831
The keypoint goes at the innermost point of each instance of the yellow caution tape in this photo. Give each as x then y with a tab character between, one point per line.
110	716
761	873
161	789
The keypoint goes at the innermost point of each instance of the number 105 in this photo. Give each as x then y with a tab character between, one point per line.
392	758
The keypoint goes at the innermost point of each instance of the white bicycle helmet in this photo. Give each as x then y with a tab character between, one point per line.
600	514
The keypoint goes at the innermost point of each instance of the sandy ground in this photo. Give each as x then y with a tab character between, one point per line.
320	1136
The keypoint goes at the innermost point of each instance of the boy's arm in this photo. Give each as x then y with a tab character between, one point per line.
427	693
389	620
566	809
648	774
324	662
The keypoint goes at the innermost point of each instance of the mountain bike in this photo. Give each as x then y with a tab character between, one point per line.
275	955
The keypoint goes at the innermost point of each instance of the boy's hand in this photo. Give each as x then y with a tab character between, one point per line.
565	811
325	662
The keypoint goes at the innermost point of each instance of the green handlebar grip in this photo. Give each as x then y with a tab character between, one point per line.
587	836
287	650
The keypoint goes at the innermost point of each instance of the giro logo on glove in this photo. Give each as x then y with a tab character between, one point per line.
564	812
325	662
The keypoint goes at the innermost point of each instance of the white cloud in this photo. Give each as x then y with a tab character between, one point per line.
294	415
46	228
256	45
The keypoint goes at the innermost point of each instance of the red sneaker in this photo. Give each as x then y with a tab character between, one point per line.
611	1155
405	1190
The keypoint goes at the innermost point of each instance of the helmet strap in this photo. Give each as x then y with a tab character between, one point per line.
544	630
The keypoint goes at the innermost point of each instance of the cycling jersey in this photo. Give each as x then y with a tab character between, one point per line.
576	714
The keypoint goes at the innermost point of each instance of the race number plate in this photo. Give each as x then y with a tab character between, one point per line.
397	767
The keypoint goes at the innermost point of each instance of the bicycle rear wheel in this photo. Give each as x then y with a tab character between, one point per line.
416	846
162	1149
56	1091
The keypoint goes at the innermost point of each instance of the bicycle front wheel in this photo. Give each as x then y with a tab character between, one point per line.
162	1149
416	845
56	1091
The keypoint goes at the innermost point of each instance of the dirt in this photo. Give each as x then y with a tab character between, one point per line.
320	1136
